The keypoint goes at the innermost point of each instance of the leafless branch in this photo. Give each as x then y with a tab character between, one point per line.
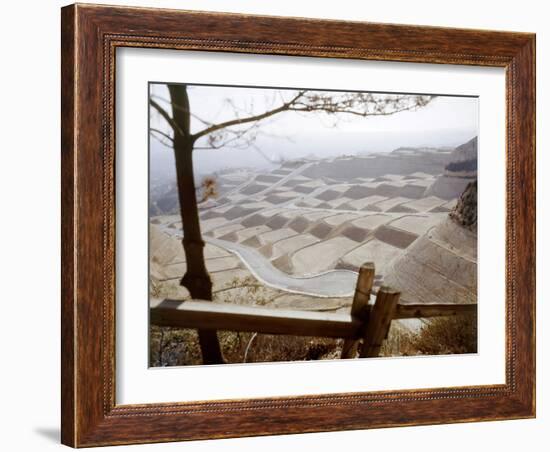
179	107
166	117
284	107
160	132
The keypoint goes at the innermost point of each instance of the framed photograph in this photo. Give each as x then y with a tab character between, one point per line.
281	225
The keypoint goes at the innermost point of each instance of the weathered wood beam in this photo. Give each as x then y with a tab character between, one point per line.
380	317
231	317
360	306
417	311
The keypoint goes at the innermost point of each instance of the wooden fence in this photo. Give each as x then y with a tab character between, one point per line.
364	328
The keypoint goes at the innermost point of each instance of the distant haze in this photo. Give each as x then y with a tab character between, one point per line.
446	122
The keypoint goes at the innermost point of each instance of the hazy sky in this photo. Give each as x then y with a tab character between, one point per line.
446	121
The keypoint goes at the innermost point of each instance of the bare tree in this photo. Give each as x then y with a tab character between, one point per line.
242	130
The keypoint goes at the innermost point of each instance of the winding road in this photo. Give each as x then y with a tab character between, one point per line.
333	283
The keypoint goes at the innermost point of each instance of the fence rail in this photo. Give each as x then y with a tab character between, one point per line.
231	317
367	321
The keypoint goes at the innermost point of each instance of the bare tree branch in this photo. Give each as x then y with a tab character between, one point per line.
160	132
355	104
239	121
166	117
169	145
179	107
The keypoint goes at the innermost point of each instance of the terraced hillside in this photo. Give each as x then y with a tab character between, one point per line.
305	227
294	237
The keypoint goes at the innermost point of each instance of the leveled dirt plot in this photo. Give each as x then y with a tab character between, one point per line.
387	189
164	249
395	237
372	221
317	215
254	188
315	183
303	189
244	234
223	263
401	209
364	202
421	182
309	202
256	205
237	197
267	178
380	164
176	271
282	172
417	224
337	220
214	213
268	213
220	280
321	230
279	198
292	244
276	235
213	223
277	221
296	180
425	204
354	233
328	195
358	192
321	256
373	251
390	177
166	219
167	264
412	191
173	271
449	205
238	212
290	213
391	203
299	224
335	203
254	220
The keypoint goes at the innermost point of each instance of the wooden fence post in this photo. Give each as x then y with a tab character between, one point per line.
360	305
379	322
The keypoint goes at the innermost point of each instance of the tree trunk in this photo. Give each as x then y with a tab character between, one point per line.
196	279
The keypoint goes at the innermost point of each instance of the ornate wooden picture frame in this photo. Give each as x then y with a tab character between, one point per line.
90	37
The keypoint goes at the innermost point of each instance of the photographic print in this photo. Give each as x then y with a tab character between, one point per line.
289	207
295	224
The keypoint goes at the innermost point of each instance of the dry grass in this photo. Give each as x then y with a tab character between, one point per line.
179	347
440	336
448	335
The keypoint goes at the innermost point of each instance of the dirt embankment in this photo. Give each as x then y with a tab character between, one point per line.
459	172
465	211
441	265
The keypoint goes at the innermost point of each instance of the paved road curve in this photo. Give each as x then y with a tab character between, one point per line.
334	283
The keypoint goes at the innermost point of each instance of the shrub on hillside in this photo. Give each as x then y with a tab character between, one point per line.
447	335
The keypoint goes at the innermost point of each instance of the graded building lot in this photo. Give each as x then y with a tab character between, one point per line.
292	244
372	251
321	256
